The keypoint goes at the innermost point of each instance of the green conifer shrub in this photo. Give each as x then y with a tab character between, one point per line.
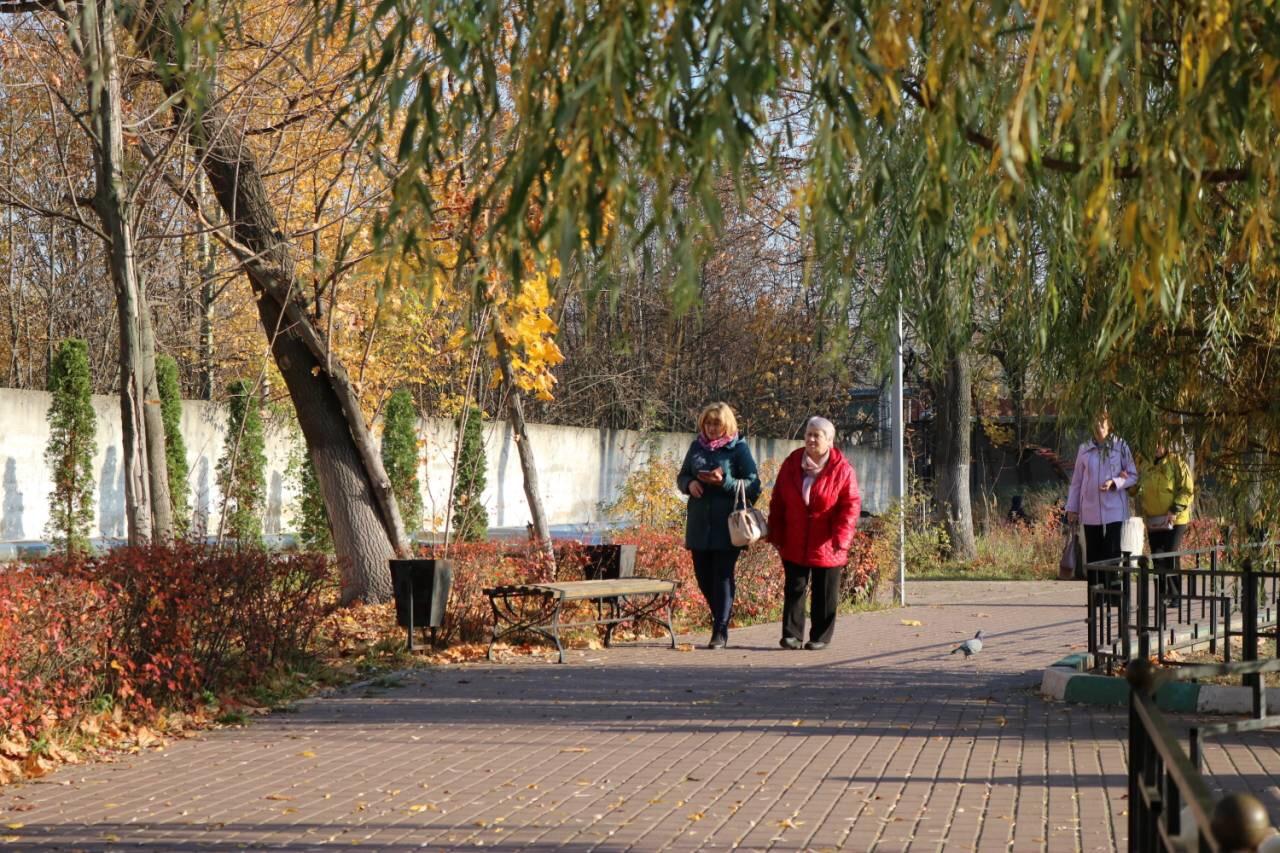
73	440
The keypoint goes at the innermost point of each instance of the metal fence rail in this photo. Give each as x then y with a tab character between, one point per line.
1163	778
1210	597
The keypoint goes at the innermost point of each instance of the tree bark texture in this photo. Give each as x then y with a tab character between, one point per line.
147	508
953	403
366	523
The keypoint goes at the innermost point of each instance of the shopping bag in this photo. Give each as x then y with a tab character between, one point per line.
1071	565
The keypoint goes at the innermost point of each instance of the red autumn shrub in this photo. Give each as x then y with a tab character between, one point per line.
149	627
52	643
192	618
476	566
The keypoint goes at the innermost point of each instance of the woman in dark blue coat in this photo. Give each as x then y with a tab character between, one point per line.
717	461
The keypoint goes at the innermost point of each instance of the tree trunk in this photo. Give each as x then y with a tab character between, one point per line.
367	528
365	519
528	466
953	402
162	526
1016	398
205	261
147	508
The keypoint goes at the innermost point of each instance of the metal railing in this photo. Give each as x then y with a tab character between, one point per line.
1163	779
1140	607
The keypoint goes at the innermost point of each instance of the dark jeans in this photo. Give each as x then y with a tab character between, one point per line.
1102	542
824	588
1168	540
714	571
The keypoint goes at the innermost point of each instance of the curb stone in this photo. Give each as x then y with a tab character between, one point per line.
1065	682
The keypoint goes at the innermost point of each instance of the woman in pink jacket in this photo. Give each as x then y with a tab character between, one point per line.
1097	498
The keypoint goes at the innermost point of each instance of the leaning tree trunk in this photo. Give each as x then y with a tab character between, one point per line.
146	486
953	402
362	509
528	466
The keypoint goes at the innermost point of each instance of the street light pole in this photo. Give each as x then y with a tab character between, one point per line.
899	460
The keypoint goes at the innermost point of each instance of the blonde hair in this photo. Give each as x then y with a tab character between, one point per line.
722	413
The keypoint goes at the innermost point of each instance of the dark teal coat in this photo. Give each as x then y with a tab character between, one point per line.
707	521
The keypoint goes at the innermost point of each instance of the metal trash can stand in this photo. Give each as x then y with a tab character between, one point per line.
609	562
421	589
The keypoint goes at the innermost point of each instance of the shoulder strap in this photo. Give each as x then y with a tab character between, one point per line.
740	496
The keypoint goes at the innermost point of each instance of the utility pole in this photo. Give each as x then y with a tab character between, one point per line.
899	459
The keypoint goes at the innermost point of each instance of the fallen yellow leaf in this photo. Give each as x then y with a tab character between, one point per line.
15	825
307	754
912	623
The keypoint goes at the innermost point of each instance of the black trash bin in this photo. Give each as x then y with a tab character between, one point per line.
421	589
609	562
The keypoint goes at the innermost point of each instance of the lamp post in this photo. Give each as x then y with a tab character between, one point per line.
899	460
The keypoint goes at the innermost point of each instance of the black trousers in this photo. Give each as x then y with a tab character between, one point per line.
714	571
1101	542
823	586
1168	540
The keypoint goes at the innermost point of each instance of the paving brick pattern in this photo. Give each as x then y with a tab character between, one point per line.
883	741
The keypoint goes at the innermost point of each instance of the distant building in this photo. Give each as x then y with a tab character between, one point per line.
868	418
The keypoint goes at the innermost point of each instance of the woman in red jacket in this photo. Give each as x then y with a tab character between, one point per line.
813	515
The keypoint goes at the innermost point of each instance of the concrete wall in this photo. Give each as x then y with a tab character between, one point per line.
579	469
26	482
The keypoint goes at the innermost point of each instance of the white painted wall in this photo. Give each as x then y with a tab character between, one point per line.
579	469
25	481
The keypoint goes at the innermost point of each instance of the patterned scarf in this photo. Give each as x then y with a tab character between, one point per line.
715	443
811	471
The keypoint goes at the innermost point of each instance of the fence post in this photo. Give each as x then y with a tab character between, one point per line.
1144	604
1249	604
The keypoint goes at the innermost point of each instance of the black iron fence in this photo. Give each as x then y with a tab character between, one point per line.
1216	600
1171	807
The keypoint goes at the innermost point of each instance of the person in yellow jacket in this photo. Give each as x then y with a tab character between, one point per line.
1164	494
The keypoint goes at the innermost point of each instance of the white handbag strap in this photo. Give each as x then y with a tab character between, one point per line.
740	496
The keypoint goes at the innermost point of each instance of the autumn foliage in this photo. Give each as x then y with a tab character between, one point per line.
148	628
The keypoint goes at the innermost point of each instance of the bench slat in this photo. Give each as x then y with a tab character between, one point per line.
579	590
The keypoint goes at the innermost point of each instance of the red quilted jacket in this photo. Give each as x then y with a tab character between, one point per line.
817	535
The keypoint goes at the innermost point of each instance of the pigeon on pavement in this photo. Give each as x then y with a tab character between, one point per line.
970	647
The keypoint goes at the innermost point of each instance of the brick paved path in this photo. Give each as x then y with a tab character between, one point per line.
883	741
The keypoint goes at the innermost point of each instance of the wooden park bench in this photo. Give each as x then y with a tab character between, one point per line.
539	607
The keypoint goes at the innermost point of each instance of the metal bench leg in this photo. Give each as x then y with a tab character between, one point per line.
555	630
671	606
615	616
493	637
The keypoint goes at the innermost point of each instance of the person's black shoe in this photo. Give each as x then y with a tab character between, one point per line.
815	645
718	640
790	643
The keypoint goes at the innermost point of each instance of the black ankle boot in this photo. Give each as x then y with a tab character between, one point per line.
719	639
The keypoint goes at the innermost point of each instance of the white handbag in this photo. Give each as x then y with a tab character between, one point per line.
1133	536
746	523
